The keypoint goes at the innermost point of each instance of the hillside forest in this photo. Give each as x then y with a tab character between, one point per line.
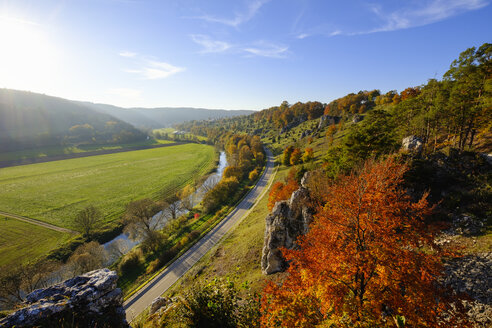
372	256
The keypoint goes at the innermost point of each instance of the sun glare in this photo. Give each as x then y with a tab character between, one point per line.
27	59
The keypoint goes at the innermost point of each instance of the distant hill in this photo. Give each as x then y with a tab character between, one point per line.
30	120
164	116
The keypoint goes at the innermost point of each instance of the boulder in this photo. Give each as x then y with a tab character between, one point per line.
412	144
158	303
305	133
356	119
89	300
287	221
325	120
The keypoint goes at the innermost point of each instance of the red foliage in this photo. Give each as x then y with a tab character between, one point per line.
367	258
282	191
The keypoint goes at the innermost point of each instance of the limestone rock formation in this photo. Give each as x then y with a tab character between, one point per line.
158	303
357	118
325	120
89	300
471	275
412	144
287	221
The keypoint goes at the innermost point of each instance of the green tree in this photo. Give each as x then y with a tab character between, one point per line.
471	73
374	137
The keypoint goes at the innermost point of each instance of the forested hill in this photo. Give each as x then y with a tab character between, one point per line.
164	116
452	112
33	120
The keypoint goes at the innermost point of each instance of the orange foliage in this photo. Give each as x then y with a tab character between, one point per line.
295	157
363	261
282	191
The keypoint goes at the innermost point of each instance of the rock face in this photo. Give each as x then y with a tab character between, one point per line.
158	303
288	220
412	144
471	275
89	300
356	119
325	120
297	120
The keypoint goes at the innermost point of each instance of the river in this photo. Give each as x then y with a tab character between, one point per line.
122	244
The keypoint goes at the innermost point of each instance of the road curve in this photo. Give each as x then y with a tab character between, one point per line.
36	222
157	286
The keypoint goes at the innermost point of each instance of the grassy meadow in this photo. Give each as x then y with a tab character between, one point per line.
55	191
46	152
21	241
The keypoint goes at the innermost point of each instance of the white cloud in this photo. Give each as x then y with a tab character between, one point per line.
264	49
154	70
210	45
411	14
336	32
239	18
128	54
431	12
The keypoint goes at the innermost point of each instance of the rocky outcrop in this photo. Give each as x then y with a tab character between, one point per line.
89	300
412	144
357	118
325	120
306	133
471	275
288	220
295	122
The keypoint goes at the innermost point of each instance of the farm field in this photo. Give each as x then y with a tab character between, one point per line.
21	241
55	191
43	152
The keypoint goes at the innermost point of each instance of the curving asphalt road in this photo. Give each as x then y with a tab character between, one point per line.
156	287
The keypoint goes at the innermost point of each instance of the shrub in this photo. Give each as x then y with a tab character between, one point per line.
131	262
253	175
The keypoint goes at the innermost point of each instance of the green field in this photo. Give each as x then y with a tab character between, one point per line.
54	191
21	241
46	152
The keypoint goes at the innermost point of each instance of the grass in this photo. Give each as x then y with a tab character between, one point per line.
55	191
42	152
21	241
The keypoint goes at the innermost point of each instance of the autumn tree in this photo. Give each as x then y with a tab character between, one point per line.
308	155
253	175
87	219
366	260
188	197
171	205
295	157
286	155
141	222
87	257
18	280
282	191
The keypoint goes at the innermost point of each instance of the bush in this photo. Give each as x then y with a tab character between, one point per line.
154	266
253	175
131	262
168	255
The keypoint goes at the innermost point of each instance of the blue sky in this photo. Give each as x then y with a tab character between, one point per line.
235	54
